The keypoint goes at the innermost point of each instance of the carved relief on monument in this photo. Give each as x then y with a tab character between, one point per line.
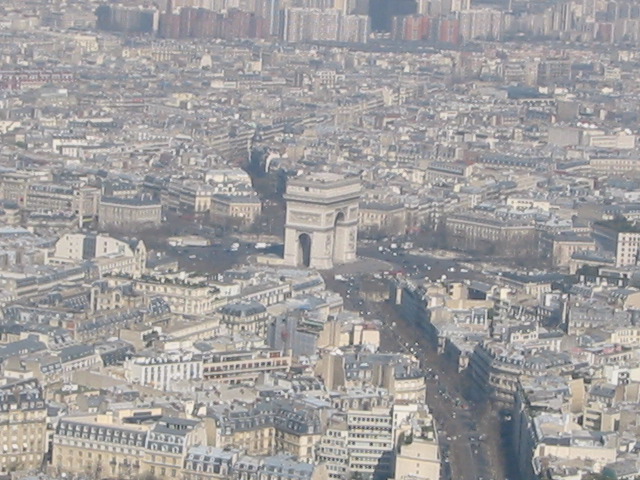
352	240
327	245
303	217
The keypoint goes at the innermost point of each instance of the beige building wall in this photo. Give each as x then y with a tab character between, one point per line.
420	458
23	439
94	454
627	249
563	250
123	215
576	452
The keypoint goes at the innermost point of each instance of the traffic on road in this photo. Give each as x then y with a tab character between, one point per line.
469	431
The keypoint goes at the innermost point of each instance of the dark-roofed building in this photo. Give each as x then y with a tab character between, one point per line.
560	247
534	285
29	345
249	317
167	445
77	357
210	463
99	444
283	467
266	428
620	237
23	425
114	353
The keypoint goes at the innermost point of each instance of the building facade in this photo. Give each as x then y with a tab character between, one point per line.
128	213
23	426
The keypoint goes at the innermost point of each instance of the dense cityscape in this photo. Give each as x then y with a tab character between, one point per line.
319	240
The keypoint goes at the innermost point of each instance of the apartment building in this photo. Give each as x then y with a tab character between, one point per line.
125	444
106	254
187	196
265	429
419	451
127	213
448	172
399	374
48	197
100	445
15	184
159	370
245	316
77	357
620	237
39	281
332	450
23	426
167	445
183	296
243	366
616	164
382	218
359	443
496	369
489	235
561	247
246	208
211	463
371	442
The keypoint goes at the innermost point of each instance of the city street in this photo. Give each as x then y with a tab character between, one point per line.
469	432
470	440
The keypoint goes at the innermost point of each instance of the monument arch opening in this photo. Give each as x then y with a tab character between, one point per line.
304	245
